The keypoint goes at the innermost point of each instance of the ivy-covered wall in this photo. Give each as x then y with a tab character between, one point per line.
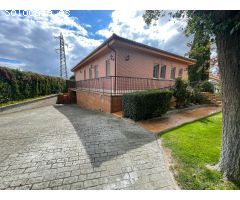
18	85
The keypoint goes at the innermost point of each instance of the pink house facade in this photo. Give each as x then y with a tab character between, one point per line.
120	66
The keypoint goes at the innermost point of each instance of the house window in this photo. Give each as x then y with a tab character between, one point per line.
107	68
84	74
155	70
173	69
163	72
180	71
90	72
96	71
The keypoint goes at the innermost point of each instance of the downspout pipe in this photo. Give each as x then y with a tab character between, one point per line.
115	59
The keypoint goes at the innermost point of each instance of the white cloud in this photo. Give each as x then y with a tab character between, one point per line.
167	35
31	40
12	65
87	25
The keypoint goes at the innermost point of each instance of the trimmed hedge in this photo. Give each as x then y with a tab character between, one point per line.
146	104
18	85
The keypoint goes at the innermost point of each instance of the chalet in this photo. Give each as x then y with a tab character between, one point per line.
121	66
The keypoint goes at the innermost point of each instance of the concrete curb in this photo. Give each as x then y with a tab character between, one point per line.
166	114
166	162
9	107
185	109
184	123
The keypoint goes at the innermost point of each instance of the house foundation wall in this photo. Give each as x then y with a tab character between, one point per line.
103	102
98	101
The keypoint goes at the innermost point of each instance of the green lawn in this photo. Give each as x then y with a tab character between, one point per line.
193	146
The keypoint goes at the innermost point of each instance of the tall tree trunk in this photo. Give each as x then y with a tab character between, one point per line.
229	63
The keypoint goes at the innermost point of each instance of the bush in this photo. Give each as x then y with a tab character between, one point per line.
18	85
146	104
181	92
197	97
206	86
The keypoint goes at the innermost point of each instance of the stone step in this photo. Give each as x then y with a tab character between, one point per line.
213	98
216	101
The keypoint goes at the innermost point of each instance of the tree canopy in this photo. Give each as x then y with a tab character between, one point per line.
200	51
209	22
224	27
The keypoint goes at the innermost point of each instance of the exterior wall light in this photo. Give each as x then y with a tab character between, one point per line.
112	57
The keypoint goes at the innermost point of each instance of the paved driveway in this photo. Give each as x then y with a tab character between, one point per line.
65	147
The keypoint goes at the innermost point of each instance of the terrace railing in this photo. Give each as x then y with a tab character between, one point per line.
121	85
70	84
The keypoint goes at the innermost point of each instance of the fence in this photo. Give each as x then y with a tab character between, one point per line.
121	85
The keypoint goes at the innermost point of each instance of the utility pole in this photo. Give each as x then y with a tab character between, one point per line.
61	52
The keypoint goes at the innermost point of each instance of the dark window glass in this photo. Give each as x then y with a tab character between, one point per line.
173	70
84	74
163	72
90	72
180	71
155	70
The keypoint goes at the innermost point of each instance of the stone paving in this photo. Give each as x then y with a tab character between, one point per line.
173	120
65	147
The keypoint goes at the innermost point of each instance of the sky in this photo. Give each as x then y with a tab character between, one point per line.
28	42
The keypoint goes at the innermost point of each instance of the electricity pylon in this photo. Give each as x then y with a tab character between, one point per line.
61	51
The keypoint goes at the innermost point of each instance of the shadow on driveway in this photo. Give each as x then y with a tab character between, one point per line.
104	136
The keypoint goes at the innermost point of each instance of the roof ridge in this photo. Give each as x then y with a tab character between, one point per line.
154	48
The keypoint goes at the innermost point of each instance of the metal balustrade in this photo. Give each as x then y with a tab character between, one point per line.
120	85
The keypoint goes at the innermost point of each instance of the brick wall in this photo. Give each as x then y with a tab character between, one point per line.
99	102
100	61
140	64
93	101
103	102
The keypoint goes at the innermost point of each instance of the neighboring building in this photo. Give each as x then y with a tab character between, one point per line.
214	78
119	66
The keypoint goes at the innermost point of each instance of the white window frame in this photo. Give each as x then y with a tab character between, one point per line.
96	75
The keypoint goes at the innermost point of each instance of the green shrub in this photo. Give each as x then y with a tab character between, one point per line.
181	92
197	97
5	92
206	86
146	104
18	85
